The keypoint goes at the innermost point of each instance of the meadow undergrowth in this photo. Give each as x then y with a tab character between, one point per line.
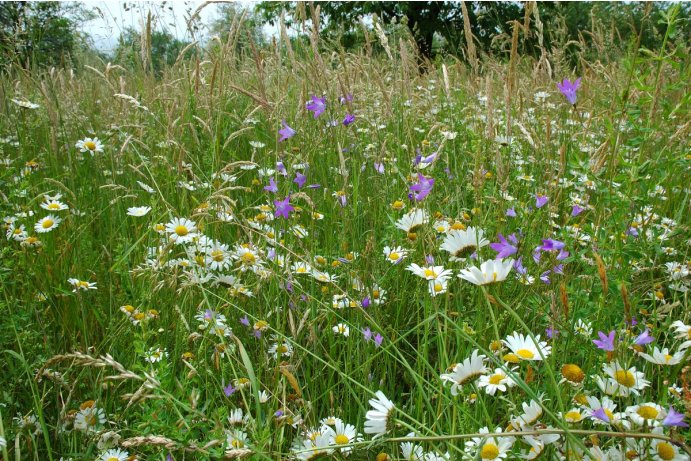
232	259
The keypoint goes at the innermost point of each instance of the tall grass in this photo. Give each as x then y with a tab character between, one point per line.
621	153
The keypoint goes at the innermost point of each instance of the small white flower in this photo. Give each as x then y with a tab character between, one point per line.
138	211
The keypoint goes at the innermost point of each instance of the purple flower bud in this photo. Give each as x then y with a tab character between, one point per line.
511	212
379	167
366	302
576	210
349	118
272	187
378	339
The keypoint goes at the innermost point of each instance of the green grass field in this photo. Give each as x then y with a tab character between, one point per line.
232	259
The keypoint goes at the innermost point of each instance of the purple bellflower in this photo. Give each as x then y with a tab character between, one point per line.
283	207
422	188
272	186
317	106
503	247
286	132
606	342
300	179
569	89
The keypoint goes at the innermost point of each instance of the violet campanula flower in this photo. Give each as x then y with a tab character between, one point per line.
281	168
644	338
379	167
272	187
551	332
511	212
367	333
551	245
349	118
540	200
283	207
545	277
229	390
503	248
576	210
674	418
317	106
606	342
569	89
422	188
245	321
378	339
300	179
286	132
601	415
366	302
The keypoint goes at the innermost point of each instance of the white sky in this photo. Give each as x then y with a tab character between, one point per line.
115	16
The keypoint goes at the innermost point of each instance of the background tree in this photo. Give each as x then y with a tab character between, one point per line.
165	49
40	33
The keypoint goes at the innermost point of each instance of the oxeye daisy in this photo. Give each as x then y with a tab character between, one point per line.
236	440
602	410
302	268
155	355
138	211
622	381
438	286
412	451
572	373
412	221
662	450
492	271
663	357
47	224
114	454
181	230
532	412
497	381
490	448
649	413
54	205
461	244
17	233
429	272
395	255
574	415
467	371
219	257
527	348
380	419
90	145
441	226
341	329
280	349
81	285
342	434
89	418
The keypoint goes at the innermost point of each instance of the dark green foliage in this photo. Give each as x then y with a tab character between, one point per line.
38	33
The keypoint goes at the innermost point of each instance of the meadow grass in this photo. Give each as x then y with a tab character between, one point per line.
167	331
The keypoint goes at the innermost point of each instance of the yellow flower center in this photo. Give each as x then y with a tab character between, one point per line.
394	256
90	145
496	378
397	205
438	287
248	258
301	270
181	230
54	206
217	255
429	273
375	294
647	412
665	451
282	349
668	357
494	279
609	414
139	316
91	420
341	439
625	378
237	443
489	451
261	324
412	236
573	415
525	353
113	458
47	223
572	373
511	358
83	284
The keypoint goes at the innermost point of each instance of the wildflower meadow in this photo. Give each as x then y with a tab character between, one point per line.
297	250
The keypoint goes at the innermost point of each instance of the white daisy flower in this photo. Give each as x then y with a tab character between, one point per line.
138	211
341	329
181	230
429	272
90	145
378	420
467	371
649	413
395	255
47	224
663	357
460	244
525	348
497	381
81	285
155	355
621	382
114	454
491	271
342	434
89	419
411	221
54	205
